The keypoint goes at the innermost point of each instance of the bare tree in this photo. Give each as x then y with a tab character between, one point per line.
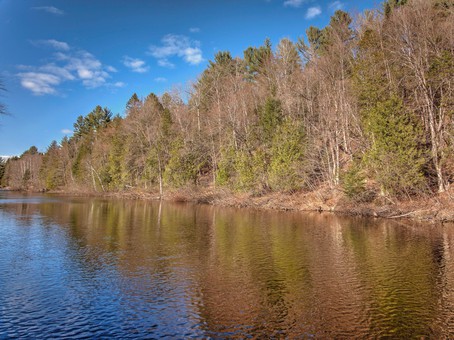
421	40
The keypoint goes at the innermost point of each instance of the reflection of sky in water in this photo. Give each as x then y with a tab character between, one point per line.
74	267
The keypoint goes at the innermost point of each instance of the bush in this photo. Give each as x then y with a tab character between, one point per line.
354	183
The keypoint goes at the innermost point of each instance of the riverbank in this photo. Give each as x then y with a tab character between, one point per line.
439	208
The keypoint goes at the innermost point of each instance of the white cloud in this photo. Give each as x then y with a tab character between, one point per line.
160	79
67	131
179	46
193	55
293	3
136	65
60	72
336	5
39	83
86	67
165	63
70	65
119	84
312	12
58	45
194	30
49	9
85	73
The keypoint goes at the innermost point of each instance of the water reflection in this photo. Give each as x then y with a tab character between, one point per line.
97	267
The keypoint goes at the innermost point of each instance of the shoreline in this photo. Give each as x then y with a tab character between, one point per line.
439	208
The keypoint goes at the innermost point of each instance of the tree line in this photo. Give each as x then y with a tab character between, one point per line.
364	105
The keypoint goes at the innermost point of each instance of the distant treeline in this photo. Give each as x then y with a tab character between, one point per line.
364	105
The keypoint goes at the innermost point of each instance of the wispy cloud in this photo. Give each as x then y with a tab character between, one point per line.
119	84
49	9
136	65
177	46
194	30
336	5
67	131
165	63
312	12
61	72
293	3
160	79
67	64
85	67
58	45
39	83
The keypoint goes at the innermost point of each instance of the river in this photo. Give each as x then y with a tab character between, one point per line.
73	267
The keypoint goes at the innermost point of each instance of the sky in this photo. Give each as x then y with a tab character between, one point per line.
61	58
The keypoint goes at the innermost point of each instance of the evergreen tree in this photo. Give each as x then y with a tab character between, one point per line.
257	60
52	172
270	117
394	157
286	170
2	170
133	103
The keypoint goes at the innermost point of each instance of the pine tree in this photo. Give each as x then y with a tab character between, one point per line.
286	170
394	157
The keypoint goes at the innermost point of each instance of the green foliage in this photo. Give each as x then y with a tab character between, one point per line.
251	170
78	168
153	103
369	74
166	123
354	182
117	172
258	59
2	169
340	21
321	39
183	165
226	166
133	103
26	178
95	120
223	61
32	151
441	71
245	179
287	156
315	37
444	4
394	157
270	117
390	5
51	171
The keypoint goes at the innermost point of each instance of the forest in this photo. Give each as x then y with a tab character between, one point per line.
364	106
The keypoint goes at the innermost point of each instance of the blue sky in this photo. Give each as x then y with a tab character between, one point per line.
61	58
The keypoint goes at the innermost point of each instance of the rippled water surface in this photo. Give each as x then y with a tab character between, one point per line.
77	267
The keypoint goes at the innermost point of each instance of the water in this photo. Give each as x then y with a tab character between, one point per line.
76	267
